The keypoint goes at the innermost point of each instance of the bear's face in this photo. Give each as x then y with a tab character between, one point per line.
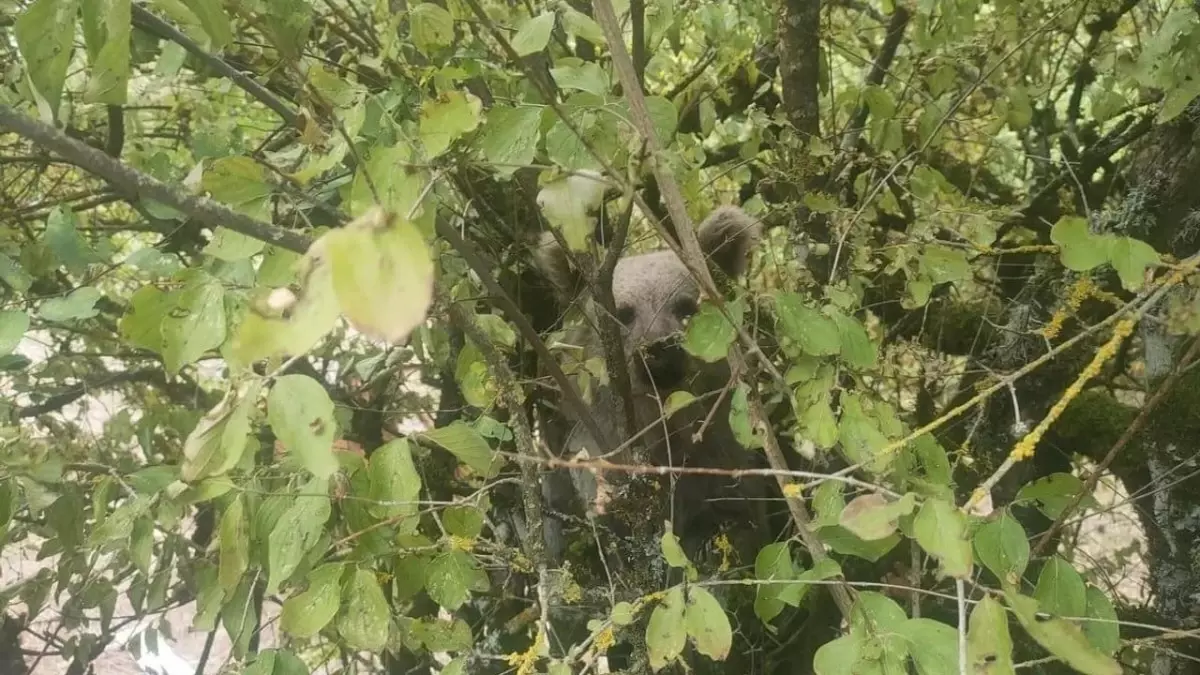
654	295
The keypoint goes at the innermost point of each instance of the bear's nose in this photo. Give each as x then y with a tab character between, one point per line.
665	361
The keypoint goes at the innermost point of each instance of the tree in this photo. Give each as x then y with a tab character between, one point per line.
292	241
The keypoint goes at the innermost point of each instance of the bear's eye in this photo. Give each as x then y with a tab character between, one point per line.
685	307
625	314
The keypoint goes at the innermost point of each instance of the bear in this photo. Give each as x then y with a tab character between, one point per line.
654	296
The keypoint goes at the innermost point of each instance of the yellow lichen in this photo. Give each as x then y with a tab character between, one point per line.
1025	447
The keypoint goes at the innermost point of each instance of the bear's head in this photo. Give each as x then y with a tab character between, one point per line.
654	293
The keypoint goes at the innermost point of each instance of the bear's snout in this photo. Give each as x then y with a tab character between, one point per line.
665	362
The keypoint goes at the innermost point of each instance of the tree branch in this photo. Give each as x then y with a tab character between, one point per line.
150	23
137	185
800	63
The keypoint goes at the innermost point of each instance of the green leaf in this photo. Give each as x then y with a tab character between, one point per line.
450	578
1061	638
861	439
234	542
828	503
707	624
941	529
194	325
382	275
666	632
671	550
288	24
276	662
217	442
79	304
13	324
432	27
109	77
739	418
1130	258
364	622
1105	632
240	615
63	238
533	35
510	137
839	656
989	645
1002	547
213	21
446	118
467	445
857	348
232	246
14	275
845	542
581	25
463	521
301	414
816	333
622	614
678	400
395	483
305	614
47	52
1080	250
568	204
1060	590
1052	493
709	333
944	265
141	325
872	517
1178	98
933	646
241	183
818	424
296	531
586	76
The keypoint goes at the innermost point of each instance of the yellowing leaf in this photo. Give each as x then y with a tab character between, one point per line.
446	118
707	624
1061	638
382	274
872	516
989	644
432	27
666	634
241	183
1079	249
1130	258
568	204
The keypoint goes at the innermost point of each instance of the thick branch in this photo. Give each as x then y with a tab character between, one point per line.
879	68
137	185
800	63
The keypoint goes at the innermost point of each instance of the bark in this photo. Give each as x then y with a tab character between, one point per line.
800	62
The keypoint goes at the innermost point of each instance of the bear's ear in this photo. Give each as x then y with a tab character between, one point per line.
726	237
551	260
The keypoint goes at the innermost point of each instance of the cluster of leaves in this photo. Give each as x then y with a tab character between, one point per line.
249	371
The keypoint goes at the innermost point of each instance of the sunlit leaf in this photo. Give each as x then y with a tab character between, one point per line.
1061	638
431	25
666	632
301	414
534	34
306	613
446	118
13	324
941	529
707	624
363	621
47	52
